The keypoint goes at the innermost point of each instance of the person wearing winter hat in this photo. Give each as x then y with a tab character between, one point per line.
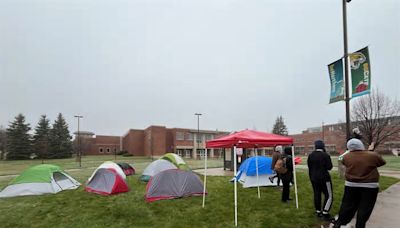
276	155
319	163
361	185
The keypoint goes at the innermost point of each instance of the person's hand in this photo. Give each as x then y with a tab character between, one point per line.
371	147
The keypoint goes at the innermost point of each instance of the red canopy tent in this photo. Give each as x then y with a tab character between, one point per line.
247	139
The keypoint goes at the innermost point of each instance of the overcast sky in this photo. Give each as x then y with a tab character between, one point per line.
134	63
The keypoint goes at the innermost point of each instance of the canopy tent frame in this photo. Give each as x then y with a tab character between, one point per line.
248	139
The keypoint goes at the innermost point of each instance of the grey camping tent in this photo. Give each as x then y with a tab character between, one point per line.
173	183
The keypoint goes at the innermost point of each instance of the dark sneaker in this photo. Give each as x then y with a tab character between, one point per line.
271	179
318	214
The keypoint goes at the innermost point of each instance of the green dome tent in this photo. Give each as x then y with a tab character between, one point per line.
176	160
38	180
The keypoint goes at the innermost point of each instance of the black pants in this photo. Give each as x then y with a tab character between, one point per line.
319	189
286	179
360	200
279	178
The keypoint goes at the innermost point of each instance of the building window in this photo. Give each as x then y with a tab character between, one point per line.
180	135
209	137
189	136
299	149
179	152
200	153
188	153
101	150
108	150
199	138
330	148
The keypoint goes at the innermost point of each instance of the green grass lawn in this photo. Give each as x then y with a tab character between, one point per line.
77	208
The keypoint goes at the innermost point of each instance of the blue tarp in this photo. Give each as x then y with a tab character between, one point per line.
249	166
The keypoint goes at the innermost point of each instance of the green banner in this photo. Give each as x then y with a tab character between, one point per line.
337	82
360	72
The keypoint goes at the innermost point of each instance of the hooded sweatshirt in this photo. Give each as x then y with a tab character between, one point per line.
361	166
319	163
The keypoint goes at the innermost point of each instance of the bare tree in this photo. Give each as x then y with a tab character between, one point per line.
377	116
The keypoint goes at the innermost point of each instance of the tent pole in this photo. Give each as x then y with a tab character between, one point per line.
295	181
258	184
205	178
235	184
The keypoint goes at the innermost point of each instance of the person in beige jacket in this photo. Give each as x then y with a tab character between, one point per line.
361	185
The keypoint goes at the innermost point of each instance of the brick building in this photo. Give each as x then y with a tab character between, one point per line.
152	141
334	136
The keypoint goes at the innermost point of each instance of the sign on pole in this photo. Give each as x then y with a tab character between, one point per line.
360	72
337	82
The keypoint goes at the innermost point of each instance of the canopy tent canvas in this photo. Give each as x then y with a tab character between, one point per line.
247	139
38	180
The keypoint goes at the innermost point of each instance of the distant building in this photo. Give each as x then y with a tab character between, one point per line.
152	141
334	136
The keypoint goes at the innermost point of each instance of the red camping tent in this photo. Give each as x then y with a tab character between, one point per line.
106	182
247	139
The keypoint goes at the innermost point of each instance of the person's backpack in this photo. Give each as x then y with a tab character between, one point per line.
280	166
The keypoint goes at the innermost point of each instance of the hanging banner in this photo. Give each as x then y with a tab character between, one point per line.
360	72
337	82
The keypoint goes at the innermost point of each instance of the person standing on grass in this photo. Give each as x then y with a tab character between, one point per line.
319	163
288	175
276	155
361	185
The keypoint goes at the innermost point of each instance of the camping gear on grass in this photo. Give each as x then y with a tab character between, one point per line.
247	139
38	180
110	165
128	169
176	160
156	167
248	171
173	183
106	182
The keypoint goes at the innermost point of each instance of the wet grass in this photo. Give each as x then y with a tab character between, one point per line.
77	208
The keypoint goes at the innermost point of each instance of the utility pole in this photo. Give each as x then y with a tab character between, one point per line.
198	131
79	142
346	68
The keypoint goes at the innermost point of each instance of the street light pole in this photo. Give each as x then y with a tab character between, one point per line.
346	68
198	130
79	142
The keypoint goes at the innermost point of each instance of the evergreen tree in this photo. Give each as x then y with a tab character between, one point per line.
19	143
41	138
280	127
3	140
60	139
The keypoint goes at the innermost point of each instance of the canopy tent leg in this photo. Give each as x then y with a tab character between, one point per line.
235	184
205	178
295	180
258	184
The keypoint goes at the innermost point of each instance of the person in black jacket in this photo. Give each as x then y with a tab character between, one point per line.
288	176
319	163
